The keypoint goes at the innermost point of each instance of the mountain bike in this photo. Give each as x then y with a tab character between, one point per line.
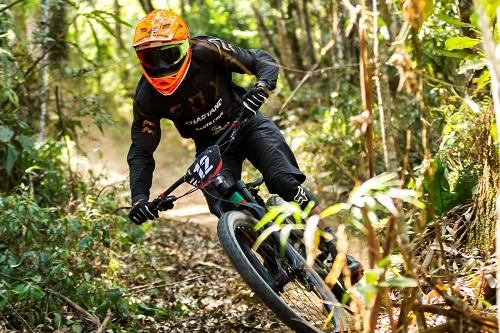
276	272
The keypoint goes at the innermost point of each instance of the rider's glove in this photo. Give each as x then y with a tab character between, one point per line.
140	212
254	98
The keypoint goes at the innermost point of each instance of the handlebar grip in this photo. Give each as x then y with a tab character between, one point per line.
165	203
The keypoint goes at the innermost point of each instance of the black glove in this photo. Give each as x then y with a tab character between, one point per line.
254	98
140	212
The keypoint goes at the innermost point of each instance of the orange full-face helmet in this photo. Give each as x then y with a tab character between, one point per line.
161	42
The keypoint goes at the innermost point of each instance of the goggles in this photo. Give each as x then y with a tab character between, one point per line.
164	59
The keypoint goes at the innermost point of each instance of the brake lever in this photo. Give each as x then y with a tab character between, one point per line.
162	204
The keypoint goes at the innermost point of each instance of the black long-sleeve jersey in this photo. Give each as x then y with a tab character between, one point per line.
200	108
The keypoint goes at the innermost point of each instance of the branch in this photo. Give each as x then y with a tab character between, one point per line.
102	327
10	5
92	318
157	284
308	74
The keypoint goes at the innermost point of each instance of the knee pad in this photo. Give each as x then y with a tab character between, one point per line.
289	188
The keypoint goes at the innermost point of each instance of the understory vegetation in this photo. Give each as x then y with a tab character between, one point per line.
388	105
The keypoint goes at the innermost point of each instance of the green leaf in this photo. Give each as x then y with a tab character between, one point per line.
400	282
77	328
270	215
22	290
384	262
472	64
334	209
493	132
6	134
460	43
455	54
35	293
85	243
453	21
10	158
25	141
114	294
57	320
102	308
482	80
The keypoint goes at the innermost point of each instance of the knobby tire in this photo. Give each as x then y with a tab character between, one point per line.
235	231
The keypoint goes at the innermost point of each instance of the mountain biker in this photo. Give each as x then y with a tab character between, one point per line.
188	81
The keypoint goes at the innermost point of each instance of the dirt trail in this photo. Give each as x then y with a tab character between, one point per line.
107	155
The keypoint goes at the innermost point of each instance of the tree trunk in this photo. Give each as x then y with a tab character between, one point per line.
283	40
291	23
147	5
118	25
484	232
265	32
306	27
481	233
56	44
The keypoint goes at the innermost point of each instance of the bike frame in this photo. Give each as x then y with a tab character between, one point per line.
242	197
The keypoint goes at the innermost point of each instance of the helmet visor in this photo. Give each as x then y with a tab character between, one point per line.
163	60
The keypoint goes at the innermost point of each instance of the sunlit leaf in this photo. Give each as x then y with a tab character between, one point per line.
452	54
387	202
454	21
334	209
262	237
473	64
270	215
311	239
284	235
400	282
460	43
482	80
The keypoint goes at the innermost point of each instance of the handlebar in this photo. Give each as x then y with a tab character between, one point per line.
164	201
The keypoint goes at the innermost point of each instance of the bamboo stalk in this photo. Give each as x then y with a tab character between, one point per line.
44	4
366	88
376	79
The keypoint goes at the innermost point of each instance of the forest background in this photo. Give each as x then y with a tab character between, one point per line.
407	89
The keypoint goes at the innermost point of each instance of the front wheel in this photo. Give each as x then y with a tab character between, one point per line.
297	295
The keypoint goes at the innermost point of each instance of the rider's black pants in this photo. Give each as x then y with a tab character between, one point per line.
261	142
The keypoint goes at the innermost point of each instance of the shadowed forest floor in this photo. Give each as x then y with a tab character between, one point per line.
182	267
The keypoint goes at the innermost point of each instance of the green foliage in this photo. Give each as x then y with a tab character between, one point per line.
45	252
458	43
443	196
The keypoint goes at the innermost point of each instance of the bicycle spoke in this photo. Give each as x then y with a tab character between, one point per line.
290	282
304	302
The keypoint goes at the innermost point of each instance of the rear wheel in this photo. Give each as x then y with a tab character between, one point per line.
298	296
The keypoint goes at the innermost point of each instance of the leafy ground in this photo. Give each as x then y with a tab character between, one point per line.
182	269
